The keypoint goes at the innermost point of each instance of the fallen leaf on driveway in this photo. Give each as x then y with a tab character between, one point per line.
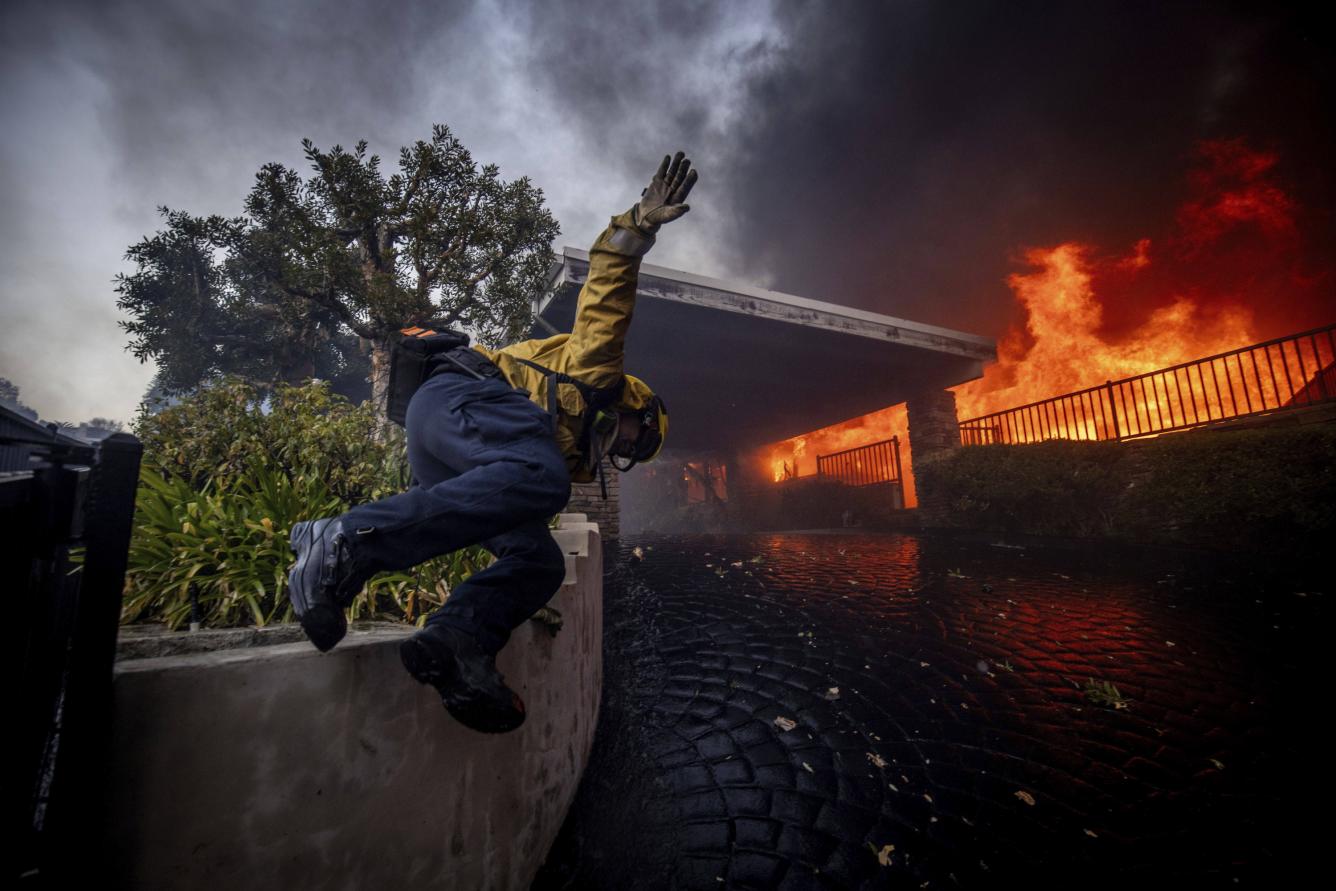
1025	797
785	724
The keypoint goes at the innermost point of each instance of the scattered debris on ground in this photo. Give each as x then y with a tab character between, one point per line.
1104	693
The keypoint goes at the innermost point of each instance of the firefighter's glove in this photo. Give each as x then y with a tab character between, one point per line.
662	201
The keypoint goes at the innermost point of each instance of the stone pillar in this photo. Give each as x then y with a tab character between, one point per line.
587	498
933	426
934	433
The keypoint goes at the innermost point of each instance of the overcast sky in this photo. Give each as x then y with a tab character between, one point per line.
895	156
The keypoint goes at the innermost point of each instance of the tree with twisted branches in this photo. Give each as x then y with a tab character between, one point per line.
319	272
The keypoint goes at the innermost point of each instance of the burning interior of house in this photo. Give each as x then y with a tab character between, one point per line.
745	369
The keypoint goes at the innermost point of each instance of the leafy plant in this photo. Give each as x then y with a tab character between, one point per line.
1265	490
1270	489
229	540
227	428
1057	487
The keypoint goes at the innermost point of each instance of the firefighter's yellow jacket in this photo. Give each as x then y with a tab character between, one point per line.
592	352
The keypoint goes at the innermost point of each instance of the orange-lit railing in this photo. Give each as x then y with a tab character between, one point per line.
866	465
1276	375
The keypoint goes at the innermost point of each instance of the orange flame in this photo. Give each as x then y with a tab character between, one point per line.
1066	350
797	456
1234	245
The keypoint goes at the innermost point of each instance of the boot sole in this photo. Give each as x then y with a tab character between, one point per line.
482	714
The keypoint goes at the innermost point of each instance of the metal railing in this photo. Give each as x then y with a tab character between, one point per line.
866	465
1275	375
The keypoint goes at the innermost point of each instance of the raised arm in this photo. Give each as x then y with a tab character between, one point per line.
603	313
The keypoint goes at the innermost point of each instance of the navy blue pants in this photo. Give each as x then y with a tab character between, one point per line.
488	472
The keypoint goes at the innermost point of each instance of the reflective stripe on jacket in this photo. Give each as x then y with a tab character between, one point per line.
592	352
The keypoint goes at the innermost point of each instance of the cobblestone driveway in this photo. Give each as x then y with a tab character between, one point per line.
868	711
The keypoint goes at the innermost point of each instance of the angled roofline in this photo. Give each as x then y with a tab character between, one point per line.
687	287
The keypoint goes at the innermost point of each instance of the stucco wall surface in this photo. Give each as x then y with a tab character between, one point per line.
281	767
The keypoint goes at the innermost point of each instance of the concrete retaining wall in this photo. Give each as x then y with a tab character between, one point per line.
281	767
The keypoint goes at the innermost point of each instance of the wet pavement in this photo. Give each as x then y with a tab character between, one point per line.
883	710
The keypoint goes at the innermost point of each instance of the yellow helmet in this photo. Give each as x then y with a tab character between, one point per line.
637	396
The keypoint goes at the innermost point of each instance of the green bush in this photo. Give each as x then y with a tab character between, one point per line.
1265	490
223	432
1049	488
222	483
1270	489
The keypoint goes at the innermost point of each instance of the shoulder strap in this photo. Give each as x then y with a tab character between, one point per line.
594	397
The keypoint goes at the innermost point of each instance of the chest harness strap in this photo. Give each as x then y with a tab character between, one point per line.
596	399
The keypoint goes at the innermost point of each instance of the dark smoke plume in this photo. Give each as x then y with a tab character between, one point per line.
903	153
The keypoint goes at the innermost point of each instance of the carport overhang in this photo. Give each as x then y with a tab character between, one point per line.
740	366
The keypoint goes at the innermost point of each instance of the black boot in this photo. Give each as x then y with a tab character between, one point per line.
324	580
472	689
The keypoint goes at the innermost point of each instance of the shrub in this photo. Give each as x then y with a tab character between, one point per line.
225	431
1264	490
1055	488
1269	489
222	481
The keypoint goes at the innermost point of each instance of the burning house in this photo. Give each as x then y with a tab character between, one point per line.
790	412
743	368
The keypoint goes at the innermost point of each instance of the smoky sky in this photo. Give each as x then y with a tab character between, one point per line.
892	156
903	154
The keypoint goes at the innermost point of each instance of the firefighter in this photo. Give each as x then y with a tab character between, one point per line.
495	438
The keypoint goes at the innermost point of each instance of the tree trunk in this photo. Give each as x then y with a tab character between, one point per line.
380	382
